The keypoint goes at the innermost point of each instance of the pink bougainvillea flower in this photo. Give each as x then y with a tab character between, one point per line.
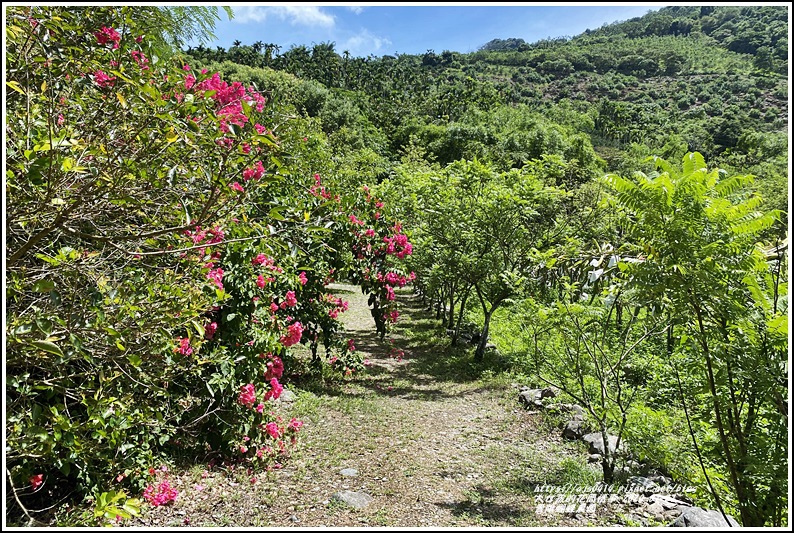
140	59
290	299
184	347
210	329
247	395
254	173
295	424
273	430
275	390
103	80
36	481
216	276
160	495
260	281
237	187
275	368
302	278
108	35
293	336
350	346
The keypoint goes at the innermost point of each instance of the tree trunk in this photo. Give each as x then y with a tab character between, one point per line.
478	355
451	320
456	333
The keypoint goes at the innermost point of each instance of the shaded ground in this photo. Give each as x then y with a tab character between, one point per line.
436	443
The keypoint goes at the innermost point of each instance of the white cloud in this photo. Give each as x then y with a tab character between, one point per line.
356	9
364	44
295	15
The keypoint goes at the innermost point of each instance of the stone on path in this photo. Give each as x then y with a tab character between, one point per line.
287	396
349	472
530	398
574	429
699	517
596	443
357	500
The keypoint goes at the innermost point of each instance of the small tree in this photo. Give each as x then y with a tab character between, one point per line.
697	231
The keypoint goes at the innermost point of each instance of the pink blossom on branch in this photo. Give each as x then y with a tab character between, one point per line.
216	276
293	336
290	299
103	80
247	395
36	481
275	390
275	368
108	35
184	347
273	430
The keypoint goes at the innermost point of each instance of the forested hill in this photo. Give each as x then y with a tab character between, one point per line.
707	79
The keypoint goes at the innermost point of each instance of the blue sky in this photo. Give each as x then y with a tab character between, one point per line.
412	28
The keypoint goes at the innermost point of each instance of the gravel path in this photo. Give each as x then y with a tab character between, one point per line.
429	448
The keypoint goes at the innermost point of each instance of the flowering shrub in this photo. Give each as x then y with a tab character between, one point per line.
121	165
159	267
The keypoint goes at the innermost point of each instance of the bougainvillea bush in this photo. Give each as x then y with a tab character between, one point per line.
164	252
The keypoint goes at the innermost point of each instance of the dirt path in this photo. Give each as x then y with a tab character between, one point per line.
433	443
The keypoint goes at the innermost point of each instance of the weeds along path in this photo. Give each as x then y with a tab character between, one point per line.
434	444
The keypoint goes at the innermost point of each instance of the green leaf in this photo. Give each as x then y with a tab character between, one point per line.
779	325
16	86
48	347
275	213
230	317
43	285
48	259
693	161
